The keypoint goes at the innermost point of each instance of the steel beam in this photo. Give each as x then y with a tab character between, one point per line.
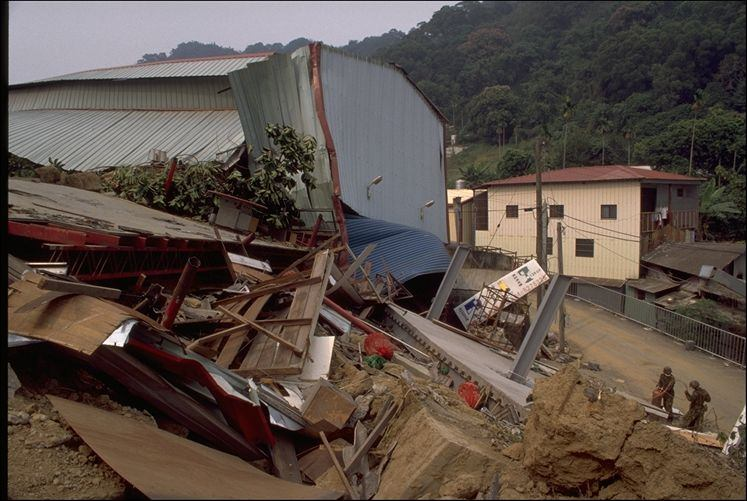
447	284
538	330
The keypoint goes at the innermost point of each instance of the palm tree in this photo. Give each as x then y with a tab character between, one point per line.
695	107
714	206
603	127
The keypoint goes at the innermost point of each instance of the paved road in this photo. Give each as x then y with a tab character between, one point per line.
628	352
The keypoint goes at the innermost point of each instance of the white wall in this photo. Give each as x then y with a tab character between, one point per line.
616	242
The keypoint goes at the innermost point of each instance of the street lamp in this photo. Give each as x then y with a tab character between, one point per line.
429	203
374	181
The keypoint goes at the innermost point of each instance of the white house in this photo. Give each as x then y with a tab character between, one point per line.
610	215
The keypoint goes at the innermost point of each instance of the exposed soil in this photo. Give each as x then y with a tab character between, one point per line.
583	442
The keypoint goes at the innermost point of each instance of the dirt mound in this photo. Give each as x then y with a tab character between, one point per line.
83	180
580	440
441	447
659	465
572	441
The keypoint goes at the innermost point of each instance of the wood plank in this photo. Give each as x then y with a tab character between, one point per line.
137	452
267	357
353	267
349	488
342	282
233	344
310	254
78	322
52	284
371	439
261	330
261	291
285	321
284	459
220	335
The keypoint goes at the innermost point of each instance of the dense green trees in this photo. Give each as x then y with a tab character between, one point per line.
609	83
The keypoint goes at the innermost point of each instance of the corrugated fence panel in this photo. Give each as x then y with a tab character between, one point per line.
403	251
382	126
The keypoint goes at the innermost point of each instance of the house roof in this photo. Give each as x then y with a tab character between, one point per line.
596	173
465	194
689	257
652	285
194	67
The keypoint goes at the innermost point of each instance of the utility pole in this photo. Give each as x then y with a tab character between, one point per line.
561	310
539	213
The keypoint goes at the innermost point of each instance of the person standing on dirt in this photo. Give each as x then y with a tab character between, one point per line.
693	420
664	392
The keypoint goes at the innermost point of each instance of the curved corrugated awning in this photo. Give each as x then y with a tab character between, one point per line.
403	251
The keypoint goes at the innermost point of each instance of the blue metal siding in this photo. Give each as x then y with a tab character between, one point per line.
403	251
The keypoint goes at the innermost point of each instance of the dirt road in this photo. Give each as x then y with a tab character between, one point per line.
631	358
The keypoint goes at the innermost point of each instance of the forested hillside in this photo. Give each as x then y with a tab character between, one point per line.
601	82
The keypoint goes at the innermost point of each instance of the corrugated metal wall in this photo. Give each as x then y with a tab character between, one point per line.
86	139
616	243
382	126
279	91
198	93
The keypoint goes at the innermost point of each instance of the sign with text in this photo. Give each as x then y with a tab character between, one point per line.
518	283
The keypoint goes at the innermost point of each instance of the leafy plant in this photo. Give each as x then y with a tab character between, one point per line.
273	182
56	163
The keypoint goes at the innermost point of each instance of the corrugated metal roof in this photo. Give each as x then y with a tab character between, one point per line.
403	251
87	139
689	257
197	67
652	285
596	173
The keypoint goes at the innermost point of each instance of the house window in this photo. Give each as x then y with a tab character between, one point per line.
556	211
512	211
680	192
481	211
609	211
584	247
548	245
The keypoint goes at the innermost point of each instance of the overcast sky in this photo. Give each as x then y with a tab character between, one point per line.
53	38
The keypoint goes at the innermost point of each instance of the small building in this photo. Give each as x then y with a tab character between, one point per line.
611	215
460	216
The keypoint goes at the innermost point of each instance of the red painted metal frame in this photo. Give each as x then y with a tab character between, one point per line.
316	85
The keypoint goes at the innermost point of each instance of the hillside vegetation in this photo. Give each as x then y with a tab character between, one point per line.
598	82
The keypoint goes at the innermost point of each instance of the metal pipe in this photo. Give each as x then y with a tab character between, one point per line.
368	329
169	178
180	291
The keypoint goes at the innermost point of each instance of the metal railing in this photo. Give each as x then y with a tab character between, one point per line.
705	337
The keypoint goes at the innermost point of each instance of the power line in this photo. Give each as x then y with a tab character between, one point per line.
626	257
603	235
600	227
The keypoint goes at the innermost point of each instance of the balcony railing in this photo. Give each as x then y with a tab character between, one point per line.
682	220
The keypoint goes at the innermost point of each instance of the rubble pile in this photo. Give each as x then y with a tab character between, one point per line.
582	441
294	375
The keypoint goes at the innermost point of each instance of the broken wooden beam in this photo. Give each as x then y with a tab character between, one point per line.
249	323
263	291
51	284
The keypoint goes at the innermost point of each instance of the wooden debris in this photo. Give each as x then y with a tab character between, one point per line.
349	488
51	284
326	407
